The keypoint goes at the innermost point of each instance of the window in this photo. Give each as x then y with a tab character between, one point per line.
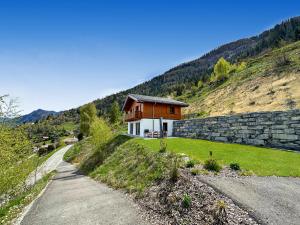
137	129
172	110
131	128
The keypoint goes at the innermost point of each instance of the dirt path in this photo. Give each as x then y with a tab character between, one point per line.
72	198
275	200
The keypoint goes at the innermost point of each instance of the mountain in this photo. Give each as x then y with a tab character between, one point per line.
184	76
180	80
35	116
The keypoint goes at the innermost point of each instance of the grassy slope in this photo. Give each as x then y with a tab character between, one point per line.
122	163
12	208
262	86
70	126
19	173
262	161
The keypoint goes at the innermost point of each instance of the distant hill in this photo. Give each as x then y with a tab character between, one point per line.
35	116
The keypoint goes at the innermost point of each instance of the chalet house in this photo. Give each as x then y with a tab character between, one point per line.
148	116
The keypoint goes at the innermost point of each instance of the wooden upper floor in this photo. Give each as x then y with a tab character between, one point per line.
138	107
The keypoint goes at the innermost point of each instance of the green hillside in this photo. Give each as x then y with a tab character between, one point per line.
269	82
177	80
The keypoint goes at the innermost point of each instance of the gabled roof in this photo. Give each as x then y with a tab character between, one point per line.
145	98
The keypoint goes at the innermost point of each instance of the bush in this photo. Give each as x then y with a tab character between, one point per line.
195	172
212	165
186	201
174	173
282	60
163	145
235	166
190	164
220	215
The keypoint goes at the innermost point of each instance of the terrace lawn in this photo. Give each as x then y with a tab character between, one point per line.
262	161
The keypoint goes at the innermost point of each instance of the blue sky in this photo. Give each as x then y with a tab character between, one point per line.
60	54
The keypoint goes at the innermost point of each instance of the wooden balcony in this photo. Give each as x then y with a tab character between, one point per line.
137	115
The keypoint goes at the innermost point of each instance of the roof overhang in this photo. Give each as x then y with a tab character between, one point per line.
181	104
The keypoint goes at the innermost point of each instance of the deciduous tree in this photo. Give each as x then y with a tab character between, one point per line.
88	114
115	113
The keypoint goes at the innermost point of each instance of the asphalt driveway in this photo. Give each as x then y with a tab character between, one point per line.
274	200
48	166
72	198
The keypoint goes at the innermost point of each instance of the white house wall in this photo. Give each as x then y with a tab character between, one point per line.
148	124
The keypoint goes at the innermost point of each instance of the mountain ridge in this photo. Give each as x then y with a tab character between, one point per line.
35	116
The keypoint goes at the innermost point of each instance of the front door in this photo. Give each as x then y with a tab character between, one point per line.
165	129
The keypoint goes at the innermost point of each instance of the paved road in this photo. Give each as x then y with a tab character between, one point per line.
48	166
276	200
72	198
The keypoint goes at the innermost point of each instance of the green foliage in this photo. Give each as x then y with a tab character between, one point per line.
14	145
220	215
88	113
282	60
247	173
200	84
212	165
262	161
190	164
73	152
100	132
115	113
203	172
163	145
222	68
240	67
195	171
235	166
174	171
186	201
44	128
131	167
15	205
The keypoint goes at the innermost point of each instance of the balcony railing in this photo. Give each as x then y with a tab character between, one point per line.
133	116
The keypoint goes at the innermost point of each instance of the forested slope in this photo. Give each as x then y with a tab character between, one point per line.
176	81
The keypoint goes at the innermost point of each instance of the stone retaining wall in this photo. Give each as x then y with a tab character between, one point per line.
279	129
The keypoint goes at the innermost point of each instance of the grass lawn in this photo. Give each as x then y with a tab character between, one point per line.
68	126
262	161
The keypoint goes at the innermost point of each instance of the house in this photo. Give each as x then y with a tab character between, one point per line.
147	115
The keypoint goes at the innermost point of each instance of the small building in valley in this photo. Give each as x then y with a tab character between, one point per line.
149	116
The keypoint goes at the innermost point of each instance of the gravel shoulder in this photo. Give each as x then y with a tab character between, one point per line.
72	198
274	200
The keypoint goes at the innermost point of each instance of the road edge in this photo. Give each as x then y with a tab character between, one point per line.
27	208
249	210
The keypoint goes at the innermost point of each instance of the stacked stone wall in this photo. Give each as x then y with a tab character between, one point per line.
280	129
